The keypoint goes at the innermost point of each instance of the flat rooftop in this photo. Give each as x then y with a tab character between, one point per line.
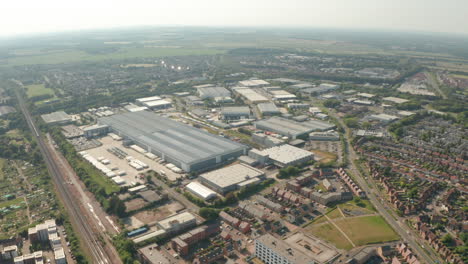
176	140
232	175
286	153
55	117
291	128
268	107
313	247
250	94
179	218
153	255
284	249
212	92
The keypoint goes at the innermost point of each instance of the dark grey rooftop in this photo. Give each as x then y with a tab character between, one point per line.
176	140
268	107
235	110
212	92
292	128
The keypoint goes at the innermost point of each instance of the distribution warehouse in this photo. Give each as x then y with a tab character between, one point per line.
231	178
188	148
291	128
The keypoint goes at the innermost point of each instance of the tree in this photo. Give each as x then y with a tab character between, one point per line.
116	206
208	213
331	103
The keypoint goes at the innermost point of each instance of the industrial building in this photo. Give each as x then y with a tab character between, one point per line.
382	118
153	102
231	178
200	191
322	88
178	222
57	118
290	128
324	136
158	104
186	147
213	92
250	95
266	140
95	130
268	109
282	156
395	100
301	86
281	95
254	83
235	113
140	101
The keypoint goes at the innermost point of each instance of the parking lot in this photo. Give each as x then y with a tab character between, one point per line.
118	164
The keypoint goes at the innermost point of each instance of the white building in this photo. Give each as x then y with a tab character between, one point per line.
59	255
282	156
275	251
231	178
200	191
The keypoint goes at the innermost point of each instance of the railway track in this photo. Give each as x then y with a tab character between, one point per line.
78	215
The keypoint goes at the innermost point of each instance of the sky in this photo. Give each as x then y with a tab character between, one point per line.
20	17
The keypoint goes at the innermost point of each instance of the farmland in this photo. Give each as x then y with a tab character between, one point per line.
38	90
70	56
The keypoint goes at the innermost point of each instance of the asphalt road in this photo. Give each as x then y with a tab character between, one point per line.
88	236
399	226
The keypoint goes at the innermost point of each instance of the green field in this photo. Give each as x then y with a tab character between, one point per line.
2	165
361	230
329	233
11	202
123	53
367	230
38	90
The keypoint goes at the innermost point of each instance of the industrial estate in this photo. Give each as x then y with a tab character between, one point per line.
244	156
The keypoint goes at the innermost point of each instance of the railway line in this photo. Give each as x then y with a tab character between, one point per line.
94	245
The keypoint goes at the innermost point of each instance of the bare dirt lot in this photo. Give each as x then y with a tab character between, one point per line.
150	217
135	204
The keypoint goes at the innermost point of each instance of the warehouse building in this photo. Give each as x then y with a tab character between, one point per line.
200	191
57	118
322	88
324	136
290	128
158	104
250	95
235	113
231	178
153	102
381	118
186	147
178	222
281	95
95	130
213	92
282	156
254	83
140	101
395	100
268	109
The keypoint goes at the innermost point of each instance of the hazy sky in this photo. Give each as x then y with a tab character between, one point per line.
27	16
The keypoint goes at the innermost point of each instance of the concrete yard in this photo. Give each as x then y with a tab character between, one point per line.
122	164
